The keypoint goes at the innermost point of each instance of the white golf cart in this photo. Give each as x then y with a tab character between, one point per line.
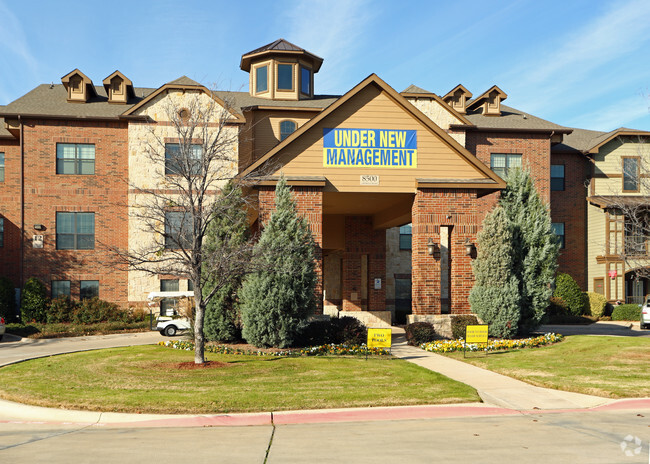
174	308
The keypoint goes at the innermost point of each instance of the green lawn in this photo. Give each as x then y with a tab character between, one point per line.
147	379
614	367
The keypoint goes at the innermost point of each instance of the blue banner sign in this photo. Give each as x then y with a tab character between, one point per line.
376	148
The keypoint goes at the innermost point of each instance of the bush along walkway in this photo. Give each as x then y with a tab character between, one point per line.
495	389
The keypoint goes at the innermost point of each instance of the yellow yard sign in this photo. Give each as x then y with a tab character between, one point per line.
379	338
476	334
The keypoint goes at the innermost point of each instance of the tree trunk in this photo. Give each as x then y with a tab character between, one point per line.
199	339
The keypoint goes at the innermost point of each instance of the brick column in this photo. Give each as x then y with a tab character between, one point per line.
457	210
361	239
309	204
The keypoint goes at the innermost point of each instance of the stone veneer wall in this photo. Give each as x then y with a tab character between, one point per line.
143	174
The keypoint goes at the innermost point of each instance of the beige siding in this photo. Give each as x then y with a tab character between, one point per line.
595	244
608	161
372	108
440	115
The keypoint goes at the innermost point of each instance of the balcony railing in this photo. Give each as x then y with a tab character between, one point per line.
634	300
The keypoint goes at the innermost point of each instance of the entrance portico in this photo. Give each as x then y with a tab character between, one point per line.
351	191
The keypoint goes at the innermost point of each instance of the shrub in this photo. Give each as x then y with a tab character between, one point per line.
597	304
93	310
277	300
420	332
567	289
7	299
60	310
557	307
34	301
315	333
349	331
626	312
458	324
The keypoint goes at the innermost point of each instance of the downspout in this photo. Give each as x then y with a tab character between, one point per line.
22	202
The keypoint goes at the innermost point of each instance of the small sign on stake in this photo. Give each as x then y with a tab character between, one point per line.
379	338
475	334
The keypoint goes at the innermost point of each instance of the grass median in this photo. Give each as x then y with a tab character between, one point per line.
612	367
152	379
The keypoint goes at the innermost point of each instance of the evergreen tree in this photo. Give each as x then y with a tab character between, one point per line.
495	297
34	301
228	231
277	299
536	247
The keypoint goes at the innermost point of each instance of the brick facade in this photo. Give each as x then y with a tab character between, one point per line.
309	204
535	149
432	209
570	207
104	193
10	212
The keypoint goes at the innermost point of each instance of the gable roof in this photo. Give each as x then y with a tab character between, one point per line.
279	46
185	83
415	89
601	140
484	95
87	80
127	82
495	184
452	91
511	119
184	80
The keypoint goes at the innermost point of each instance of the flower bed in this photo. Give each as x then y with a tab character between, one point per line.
448	346
332	349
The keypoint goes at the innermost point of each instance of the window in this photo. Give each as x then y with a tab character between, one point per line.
178	162
285	77
501	162
168	305
262	79
60	288
636	236
2	167
558	230
631	174
286	129
557	177
178	230
190	285
75	158
305	80
75	231
2	232
405	237
88	289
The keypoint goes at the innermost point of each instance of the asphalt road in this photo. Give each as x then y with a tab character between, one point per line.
570	437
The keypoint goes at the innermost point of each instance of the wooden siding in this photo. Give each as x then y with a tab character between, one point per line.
373	108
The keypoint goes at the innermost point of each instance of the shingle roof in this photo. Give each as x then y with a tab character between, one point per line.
52	100
280	45
241	100
184	80
577	141
415	89
512	118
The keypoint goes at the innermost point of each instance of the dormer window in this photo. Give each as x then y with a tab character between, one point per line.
75	84
118	88
79	86
489	102
305	80
286	129
285	77
262	79
457	98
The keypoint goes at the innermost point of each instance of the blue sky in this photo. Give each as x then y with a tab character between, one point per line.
579	63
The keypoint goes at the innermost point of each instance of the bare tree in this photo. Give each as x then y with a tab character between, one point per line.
186	153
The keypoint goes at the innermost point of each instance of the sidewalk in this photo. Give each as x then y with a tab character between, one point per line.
493	388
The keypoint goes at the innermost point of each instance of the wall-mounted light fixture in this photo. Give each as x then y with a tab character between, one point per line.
431	247
469	247
39	227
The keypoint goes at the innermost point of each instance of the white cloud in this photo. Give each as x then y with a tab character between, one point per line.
574	61
331	29
619	114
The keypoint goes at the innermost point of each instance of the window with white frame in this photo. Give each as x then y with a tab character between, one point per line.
500	163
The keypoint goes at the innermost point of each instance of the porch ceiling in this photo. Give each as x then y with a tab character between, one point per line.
387	209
